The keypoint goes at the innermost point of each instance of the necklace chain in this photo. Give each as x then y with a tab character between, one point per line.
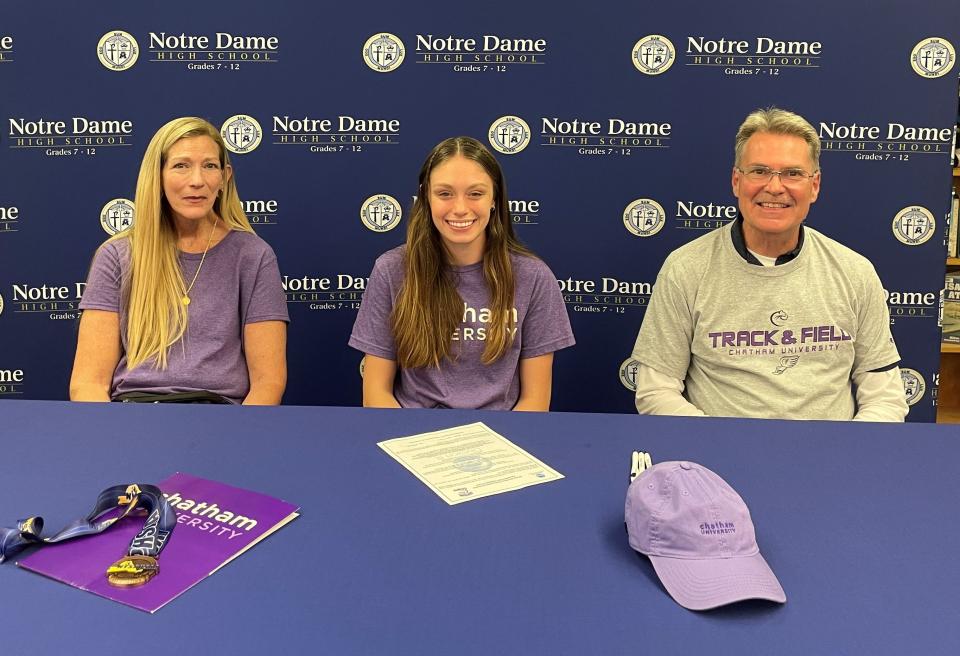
185	299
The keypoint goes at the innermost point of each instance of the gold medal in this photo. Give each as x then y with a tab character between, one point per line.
132	571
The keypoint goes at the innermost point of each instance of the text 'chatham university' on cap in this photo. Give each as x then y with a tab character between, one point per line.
698	534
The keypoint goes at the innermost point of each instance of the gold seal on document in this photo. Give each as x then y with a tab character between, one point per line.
131	571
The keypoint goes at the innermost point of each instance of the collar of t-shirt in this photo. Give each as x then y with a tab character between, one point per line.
753	258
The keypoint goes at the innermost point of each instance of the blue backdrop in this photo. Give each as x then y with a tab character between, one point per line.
615	124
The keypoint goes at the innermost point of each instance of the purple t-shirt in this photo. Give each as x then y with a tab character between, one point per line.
238	284
464	381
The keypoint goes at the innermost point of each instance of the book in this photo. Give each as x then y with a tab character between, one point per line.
955	156
951	309
953	222
215	524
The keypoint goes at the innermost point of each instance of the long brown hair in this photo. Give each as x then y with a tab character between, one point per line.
428	308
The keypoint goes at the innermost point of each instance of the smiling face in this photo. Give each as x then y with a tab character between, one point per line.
461	200
772	213
192	178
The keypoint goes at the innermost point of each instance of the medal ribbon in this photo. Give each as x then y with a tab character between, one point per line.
161	520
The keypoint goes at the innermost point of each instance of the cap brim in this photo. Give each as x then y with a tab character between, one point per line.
706	584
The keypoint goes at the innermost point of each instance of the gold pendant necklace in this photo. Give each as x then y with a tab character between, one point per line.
185	299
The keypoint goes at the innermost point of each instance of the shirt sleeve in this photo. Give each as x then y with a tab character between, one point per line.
267	301
372	331
874	347
660	394
880	396
102	291
666	333
546	326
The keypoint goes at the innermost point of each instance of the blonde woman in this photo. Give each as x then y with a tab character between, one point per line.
462	315
187	304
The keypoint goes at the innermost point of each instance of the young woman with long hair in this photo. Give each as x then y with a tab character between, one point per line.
462	315
188	299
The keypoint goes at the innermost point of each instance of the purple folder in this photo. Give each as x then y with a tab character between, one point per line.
215	523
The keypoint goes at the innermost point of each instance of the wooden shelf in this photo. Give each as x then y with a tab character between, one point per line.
953	261
948	398
948	415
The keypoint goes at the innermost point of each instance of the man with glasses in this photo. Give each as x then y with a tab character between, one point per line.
765	317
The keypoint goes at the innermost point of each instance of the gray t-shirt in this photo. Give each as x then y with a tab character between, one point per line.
238	284
776	342
542	327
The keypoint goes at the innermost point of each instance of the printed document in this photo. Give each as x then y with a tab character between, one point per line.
469	462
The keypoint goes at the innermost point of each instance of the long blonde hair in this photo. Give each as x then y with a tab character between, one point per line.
428	308
154	285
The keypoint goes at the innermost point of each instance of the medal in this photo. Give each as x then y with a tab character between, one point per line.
132	571
140	564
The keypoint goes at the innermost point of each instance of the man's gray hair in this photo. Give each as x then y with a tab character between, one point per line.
778	121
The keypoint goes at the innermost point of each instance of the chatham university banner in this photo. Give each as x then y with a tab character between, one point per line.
614	123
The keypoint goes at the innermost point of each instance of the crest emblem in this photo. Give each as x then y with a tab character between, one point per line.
241	133
380	213
509	134
118	50
914	225
383	52
653	54
932	57
117	215
913	385
628	373
644	217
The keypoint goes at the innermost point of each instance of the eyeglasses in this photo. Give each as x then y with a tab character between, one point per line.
788	177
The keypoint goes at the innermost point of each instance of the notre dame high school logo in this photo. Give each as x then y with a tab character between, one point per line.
241	133
644	217
509	134
913	385
380	213
117	215
653	54
628	374
914	225
383	52
118	50
932	57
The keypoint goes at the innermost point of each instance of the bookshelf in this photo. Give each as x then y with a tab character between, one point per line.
948	399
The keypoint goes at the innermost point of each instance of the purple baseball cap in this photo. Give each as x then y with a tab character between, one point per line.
698	534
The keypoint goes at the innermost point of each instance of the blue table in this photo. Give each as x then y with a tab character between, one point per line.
859	522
